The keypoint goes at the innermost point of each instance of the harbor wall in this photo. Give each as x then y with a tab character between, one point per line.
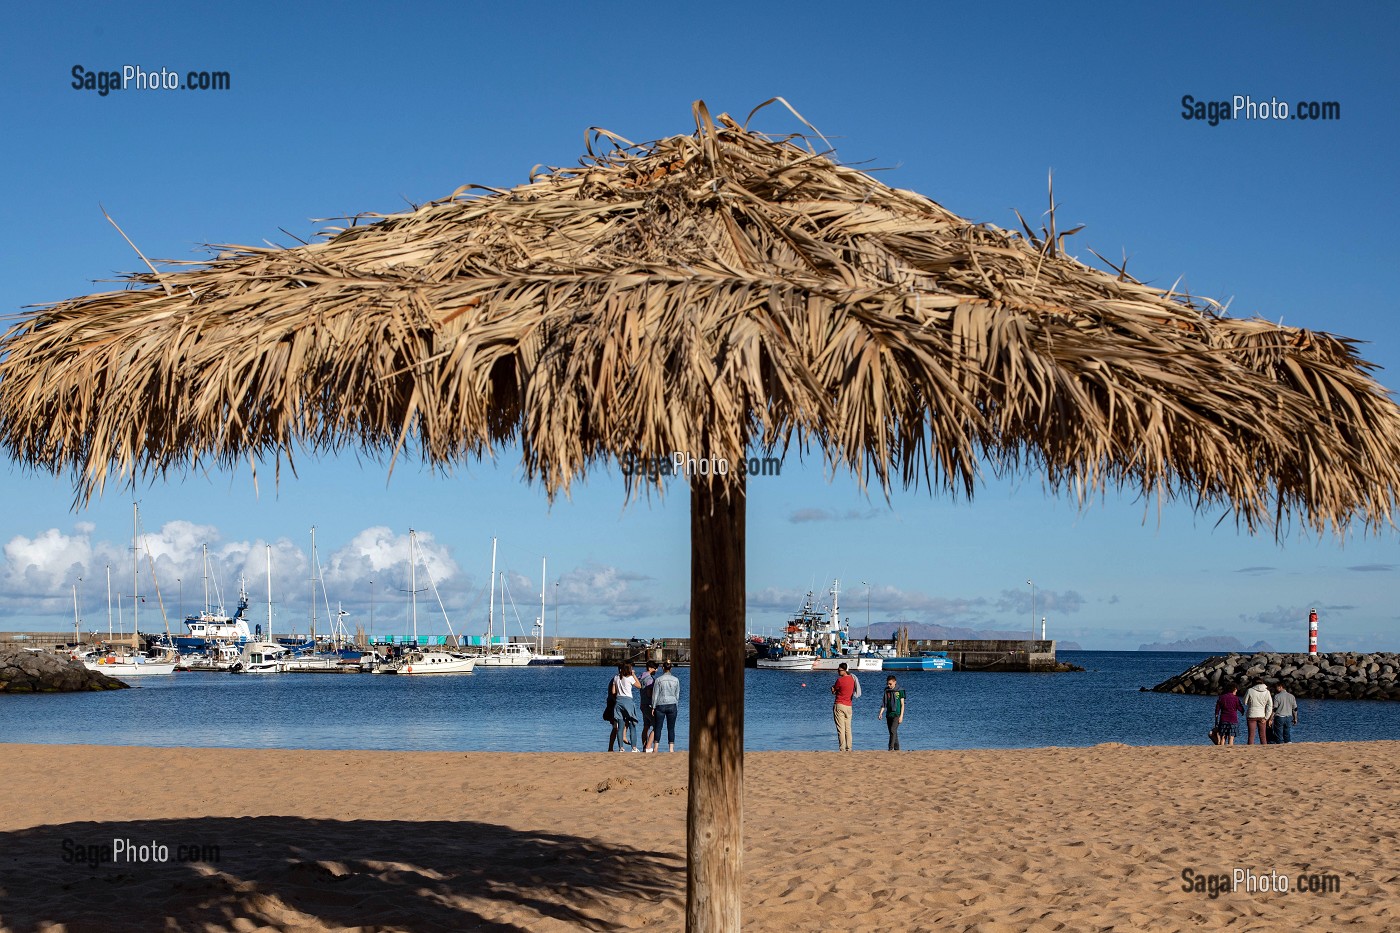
61	639
994	655
611	652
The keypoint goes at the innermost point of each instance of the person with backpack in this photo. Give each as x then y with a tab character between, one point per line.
892	710
648	680
846	689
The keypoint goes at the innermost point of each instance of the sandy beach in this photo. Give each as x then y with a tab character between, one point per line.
1068	839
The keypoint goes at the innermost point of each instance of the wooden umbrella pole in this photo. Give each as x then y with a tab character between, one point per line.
715	812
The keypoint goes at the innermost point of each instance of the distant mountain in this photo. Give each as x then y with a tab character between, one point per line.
1209	644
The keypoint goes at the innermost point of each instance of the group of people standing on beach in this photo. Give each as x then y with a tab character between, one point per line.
648	698
1270	717
846	690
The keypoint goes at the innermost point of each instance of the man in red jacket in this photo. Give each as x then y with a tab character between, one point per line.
844	690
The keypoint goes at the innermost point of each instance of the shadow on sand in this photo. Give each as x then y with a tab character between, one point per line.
287	872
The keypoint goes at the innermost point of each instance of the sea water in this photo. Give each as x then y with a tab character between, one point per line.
560	709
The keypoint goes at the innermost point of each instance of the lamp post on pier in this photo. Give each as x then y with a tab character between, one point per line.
1032	586
867	609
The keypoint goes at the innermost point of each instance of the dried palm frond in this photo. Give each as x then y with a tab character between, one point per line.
702	293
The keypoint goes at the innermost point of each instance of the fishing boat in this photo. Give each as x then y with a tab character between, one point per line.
831	644
127	664
788	656
793	652
211	627
424	660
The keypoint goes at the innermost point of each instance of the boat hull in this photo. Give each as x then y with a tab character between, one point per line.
129	669
434	663
547	660
918	664
787	663
854	664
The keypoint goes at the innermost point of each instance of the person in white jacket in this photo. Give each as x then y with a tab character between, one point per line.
1259	708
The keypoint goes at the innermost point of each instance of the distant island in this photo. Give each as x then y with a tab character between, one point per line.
1209	644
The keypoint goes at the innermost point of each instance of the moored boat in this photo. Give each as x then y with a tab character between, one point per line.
260	657
420	661
924	661
429	662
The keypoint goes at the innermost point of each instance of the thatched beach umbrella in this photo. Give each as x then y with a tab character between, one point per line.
708	294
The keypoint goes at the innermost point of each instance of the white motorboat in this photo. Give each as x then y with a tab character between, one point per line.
511	654
260	657
310	662
214	658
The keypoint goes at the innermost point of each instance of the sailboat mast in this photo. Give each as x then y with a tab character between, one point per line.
413	578
206	581
269	591
544	562
313	587
109	602
491	603
135	565
75	614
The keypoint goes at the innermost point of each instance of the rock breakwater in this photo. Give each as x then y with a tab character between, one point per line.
1334	676
24	671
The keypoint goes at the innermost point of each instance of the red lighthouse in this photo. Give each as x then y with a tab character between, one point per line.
1312	631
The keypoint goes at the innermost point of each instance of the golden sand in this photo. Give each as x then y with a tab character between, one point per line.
1072	839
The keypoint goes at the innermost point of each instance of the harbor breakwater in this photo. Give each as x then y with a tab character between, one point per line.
1334	676
24	671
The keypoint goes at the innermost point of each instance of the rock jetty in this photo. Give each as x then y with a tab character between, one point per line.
1335	676
24	671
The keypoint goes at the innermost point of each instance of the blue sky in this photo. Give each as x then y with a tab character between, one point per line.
357	108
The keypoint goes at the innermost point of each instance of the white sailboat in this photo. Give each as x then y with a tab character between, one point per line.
512	653
418	660
540	656
130	664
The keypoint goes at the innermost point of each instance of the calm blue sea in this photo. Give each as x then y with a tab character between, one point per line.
560	709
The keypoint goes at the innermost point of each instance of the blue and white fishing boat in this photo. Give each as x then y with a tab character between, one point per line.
208	630
923	661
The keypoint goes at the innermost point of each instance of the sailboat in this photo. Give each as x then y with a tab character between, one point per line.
419	660
263	656
540	656
308	658
512	653
130	665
